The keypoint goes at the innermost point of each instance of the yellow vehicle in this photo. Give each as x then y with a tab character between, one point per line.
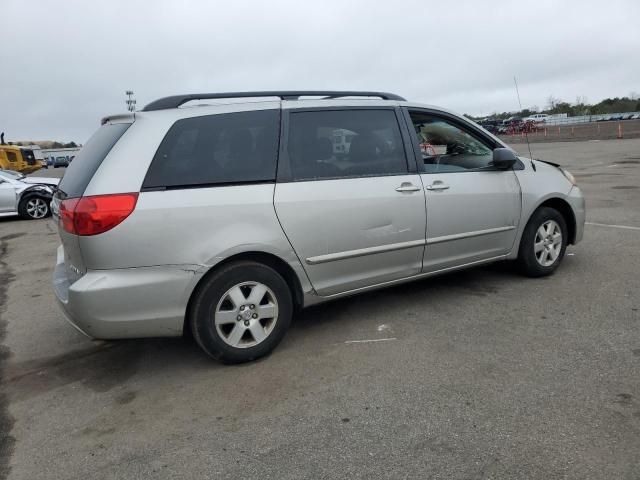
20	159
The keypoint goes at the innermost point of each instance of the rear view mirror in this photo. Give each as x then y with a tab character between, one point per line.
504	158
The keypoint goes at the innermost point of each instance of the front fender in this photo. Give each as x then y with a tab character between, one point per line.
532	207
42	190
539	186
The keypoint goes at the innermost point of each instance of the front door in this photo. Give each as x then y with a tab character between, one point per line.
7	197
346	199
473	209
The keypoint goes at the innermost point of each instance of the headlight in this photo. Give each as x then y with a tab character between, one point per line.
568	175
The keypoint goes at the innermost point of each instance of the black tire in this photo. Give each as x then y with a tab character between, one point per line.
211	292
23	209
528	262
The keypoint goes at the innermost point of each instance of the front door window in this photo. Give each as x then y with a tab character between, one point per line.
447	148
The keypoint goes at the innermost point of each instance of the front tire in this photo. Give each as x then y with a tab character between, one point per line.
242	312
543	243
34	207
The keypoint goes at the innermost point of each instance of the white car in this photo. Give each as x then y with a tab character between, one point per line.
29	197
537	118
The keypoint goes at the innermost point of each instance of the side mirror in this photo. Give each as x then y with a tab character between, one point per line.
504	158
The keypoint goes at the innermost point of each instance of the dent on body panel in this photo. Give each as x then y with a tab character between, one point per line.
382	227
384	223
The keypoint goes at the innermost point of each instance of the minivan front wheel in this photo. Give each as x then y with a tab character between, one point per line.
543	243
241	312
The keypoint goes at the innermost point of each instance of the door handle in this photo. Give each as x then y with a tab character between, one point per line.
437	186
407	187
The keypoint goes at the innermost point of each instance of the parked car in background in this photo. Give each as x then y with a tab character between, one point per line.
60	157
62	161
511	125
536	118
490	125
235	216
29	197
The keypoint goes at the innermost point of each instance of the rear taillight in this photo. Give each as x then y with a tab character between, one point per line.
65	210
96	214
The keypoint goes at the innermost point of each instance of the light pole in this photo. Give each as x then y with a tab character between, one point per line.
131	102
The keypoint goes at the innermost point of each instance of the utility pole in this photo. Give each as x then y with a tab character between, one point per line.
131	102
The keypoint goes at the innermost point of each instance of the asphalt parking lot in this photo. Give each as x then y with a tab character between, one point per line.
478	374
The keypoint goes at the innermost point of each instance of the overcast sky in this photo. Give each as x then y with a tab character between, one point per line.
65	64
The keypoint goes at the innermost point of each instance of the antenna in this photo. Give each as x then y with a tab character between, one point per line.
526	134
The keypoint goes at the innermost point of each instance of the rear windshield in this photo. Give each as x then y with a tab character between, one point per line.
79	173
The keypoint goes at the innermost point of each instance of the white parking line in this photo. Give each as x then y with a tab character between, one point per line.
623	227
371	341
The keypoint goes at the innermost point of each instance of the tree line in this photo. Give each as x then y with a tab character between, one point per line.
51	144
630	103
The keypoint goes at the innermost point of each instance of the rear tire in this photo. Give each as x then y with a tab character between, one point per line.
241	312
34	207
543	243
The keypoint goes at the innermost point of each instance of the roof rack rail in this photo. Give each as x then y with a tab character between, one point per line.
176	100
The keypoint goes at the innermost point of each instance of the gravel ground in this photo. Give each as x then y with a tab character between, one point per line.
485	374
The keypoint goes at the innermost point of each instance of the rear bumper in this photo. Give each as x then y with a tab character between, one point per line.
576	200
126	303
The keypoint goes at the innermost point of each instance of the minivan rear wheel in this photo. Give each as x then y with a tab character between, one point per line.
543	243
241	312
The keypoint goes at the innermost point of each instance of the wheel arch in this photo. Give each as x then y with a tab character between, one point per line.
268	259
557	203
565	210
32	192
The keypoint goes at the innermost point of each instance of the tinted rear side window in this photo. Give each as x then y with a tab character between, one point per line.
79	173
217	150
344	144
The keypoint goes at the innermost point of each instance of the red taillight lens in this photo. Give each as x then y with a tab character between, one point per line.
67	208
96	214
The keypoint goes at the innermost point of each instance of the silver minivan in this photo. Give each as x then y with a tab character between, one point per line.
225	219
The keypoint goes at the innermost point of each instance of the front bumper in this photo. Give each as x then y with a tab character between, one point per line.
126	303
576	200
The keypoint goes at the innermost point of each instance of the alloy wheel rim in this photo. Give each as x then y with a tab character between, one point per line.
246	314
548	243
36	208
